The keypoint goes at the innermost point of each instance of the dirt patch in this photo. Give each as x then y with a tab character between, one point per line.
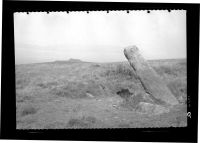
124	93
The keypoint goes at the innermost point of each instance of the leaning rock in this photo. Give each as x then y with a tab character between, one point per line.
150	80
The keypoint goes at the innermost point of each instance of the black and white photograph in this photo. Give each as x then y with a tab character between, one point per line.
101	69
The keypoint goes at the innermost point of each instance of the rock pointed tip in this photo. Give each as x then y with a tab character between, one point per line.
132	48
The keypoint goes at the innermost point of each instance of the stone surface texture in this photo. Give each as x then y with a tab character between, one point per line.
150	80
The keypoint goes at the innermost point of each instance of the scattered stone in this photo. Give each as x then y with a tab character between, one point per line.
160	109
89	95
145	107
148	108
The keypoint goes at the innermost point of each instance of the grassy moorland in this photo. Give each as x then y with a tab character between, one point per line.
76	94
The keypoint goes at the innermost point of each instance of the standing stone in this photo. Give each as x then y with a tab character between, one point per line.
150	80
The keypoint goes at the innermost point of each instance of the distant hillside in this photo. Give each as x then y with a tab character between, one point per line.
69	61
74	60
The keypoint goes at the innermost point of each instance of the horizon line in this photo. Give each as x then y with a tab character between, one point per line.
82	61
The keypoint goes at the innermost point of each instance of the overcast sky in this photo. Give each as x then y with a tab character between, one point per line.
98	36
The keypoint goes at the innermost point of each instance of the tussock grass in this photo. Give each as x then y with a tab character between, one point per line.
179	88
50	84
28	109
82	122
124	125
166	70
78	89
47	84
23	98
55	125
121	69
71	90
22	83
76	108
77	123
172	69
